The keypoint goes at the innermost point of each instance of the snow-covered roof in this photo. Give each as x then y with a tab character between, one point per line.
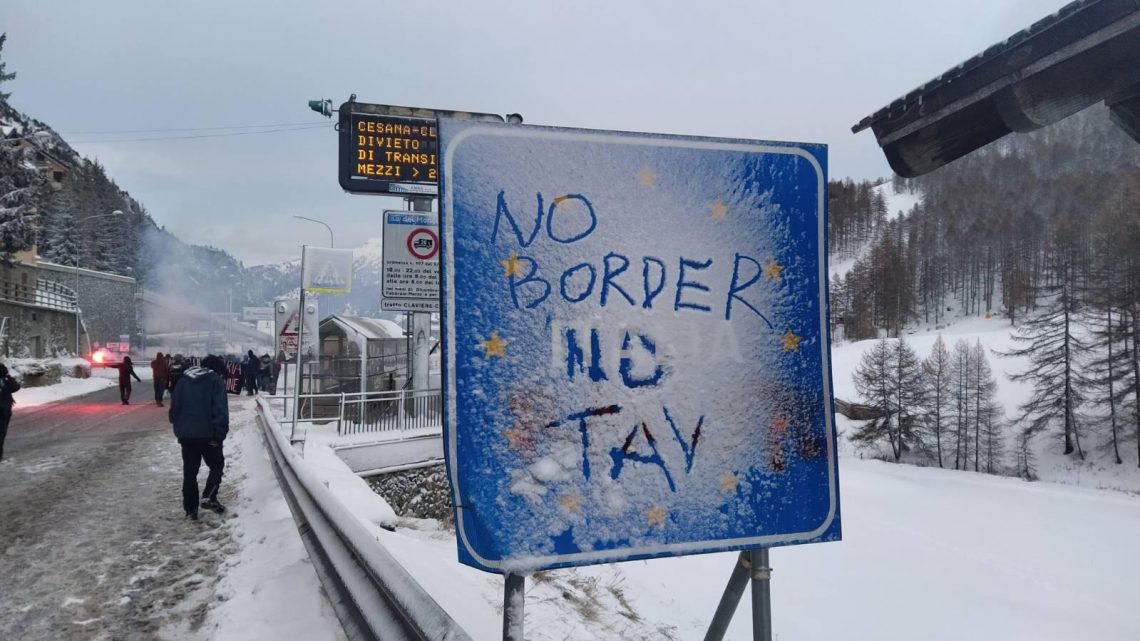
369	328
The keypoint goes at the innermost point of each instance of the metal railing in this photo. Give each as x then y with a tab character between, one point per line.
52	294
46	293
367	412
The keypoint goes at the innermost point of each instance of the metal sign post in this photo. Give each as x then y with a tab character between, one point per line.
513	601
751	567
761	595
300	351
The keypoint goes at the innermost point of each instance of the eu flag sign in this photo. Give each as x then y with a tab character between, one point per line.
636	358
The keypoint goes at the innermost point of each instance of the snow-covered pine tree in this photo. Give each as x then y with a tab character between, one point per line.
889	378
987	425
21	182
1052	344
936	370
4	76
1026	461
910	396
874	381
961	383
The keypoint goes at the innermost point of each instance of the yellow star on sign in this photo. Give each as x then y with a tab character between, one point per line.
728	482
646	177
772	269
572	503
791	342
519	439
656	516
511	266
494	346
718	210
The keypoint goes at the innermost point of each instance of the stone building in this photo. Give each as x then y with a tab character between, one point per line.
39	313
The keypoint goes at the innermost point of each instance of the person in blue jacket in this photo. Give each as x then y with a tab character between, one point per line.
200	413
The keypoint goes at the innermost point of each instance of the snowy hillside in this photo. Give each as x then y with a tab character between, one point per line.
995	336
897	203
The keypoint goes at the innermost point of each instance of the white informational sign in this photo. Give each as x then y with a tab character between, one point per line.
287	328
327	270
411	261
257	314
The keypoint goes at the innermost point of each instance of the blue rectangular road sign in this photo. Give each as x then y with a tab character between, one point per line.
636	356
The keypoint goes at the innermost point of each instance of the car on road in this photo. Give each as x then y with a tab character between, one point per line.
104	357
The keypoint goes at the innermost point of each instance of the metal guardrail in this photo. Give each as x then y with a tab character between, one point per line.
366	412
375	598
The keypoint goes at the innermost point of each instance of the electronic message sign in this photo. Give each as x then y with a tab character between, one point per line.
635	348
385	154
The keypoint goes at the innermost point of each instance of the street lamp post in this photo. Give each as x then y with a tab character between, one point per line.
78	311
319	222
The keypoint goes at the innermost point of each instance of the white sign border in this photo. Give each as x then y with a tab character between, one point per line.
691	547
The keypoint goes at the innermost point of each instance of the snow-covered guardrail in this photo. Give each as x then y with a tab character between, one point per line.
374	596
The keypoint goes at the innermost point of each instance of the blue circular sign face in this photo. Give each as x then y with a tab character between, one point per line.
635	345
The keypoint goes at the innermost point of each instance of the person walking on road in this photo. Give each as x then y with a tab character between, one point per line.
174	371
126	371
249	368
8	386
159	369
200	414
264	366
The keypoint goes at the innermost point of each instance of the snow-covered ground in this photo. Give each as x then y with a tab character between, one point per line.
927	554
269	589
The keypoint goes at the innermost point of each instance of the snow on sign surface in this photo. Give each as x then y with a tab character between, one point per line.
636	358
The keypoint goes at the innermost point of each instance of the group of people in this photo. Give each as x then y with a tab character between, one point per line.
259	373
199	412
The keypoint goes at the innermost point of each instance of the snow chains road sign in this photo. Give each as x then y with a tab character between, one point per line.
635	353
411	261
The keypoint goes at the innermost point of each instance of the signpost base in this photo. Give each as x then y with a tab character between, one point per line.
751	567
513	607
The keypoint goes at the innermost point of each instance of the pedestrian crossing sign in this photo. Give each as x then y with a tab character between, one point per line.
328	270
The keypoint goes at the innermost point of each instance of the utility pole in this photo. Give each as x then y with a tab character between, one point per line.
419	323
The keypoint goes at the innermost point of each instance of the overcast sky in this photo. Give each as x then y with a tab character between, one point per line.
801	71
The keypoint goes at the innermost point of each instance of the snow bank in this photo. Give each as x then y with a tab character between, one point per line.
270	590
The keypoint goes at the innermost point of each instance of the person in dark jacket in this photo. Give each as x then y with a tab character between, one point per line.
276	373
200	414
174	371
8	386
159	369
126	371
264	367
249	368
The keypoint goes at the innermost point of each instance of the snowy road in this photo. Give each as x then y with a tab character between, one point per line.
94	545
94	541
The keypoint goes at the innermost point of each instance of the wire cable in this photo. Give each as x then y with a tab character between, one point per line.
198	136
174	129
